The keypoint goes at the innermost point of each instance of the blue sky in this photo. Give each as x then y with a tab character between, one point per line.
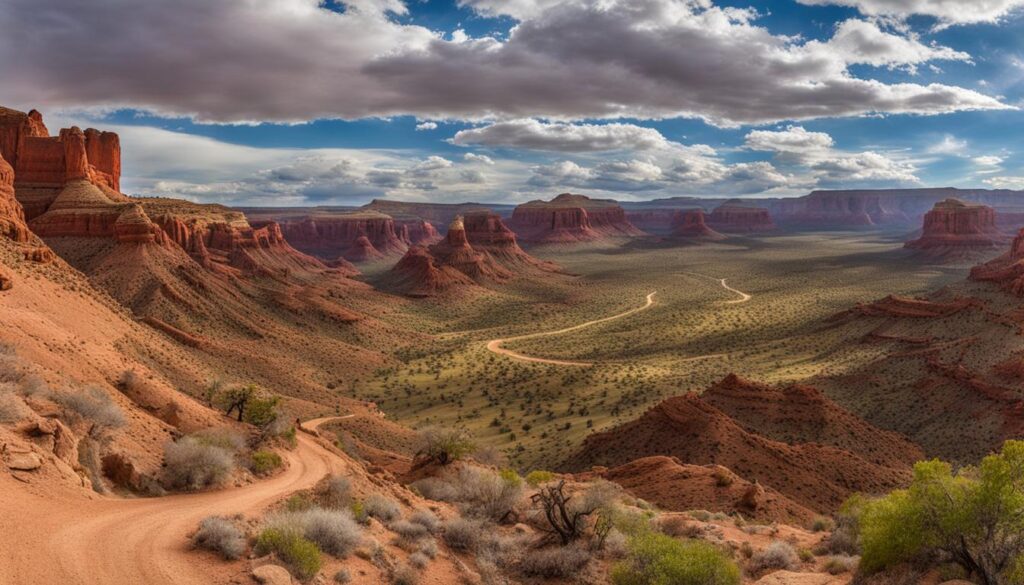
302	102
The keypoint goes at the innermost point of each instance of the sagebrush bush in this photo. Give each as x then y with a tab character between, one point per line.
488	494
427	519
463	533
338	492
419	560
409	531
382	508
537	477
300	555
429	548
91	405
657	559
342	576
437	489
265	461
189	464
777	555
220	535
12	407
405	575
555	562
334	532
838	564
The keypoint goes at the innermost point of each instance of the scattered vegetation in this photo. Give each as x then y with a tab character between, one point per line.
777	555
300	555
657	559
221	536
382	508
264	461
192	463
333	531
555	562
445	445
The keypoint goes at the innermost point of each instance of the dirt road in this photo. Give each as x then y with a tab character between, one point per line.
744	297
137	542
494	345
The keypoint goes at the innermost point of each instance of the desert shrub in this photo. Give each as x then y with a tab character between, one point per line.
566	518
265	461
298	502
845	536
405	575
300	556
429	548
221	536
445	445
189	464
836	565
805	554
777	555
224	438
437	489
488	494
333	531
677	526
382	508
555	562
338	492
91	405
616	545
463	533
12	407
822	524
537	477
409	532
492	456
657	559
342	576
359	512
419	560
427	519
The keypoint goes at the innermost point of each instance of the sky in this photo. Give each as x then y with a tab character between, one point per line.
334	102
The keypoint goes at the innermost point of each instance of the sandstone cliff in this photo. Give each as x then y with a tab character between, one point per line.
953	228
737	216
487	233
691	224
356	236
12	217
1006	270
570	218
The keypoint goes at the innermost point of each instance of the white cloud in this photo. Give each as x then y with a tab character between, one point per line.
560	137
426	126
572	60
863	42
946	12
949	145
472	157
794	139
1014	183
988	161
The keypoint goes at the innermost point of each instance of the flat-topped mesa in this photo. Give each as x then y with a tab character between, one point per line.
953	226
1007	270
12	217
570	218
355	236
737	216
487	233
691	224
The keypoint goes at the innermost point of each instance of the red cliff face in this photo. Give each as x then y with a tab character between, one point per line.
1006	270
953	226
690	223
738	217
487	233
417	232
357	237
570	218
12	218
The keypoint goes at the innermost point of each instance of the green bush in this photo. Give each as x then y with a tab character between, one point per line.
445	445
656	559
974	518
301	556
538	477
265	461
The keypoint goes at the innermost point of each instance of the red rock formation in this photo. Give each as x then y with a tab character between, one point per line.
652	220
570	218
1006	270
814	475
357	237
897	306
12	218
437	213
488	234
738	216
418	274
417	232
690	223
953	227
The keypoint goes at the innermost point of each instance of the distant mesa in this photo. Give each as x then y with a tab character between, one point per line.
953	228
1007	270
570	218
793	440
438	214
477	250
692	224
738	216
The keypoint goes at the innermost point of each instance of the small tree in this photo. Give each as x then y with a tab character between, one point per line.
445	445
564	519
974	518
250	403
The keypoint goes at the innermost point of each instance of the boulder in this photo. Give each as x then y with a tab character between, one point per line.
272	575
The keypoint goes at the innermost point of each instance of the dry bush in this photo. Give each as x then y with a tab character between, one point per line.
429	548
91	406
221	536
677	526
427	519
408	532
555	562
405	575
488	494
777	555
463	533
838	564
382	508
437	489
419	560
191	464
445	445
12	407
337	493
333	531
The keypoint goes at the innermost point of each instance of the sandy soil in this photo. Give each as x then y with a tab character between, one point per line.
46	539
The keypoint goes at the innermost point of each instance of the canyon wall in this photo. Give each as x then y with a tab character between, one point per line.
570	218
953	226
691	223
740	217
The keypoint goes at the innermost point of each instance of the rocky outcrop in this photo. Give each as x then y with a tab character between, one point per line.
570	218
357	237
691	224
417	232
817	465
953	228
488	234
12	218
1007	270
737	216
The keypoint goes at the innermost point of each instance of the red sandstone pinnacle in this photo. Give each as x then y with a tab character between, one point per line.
690	223
954	225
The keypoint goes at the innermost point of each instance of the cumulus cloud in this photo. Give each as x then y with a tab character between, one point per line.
794	139
988	163
865	43
252	60
426	126
472	157
1015	183
946	12
949	145
561	137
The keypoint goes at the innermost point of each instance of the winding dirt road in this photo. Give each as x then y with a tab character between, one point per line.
494	345
744	297
142	541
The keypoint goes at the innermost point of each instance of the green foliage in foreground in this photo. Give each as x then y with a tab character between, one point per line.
658	559
265	461
301	556
973	518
